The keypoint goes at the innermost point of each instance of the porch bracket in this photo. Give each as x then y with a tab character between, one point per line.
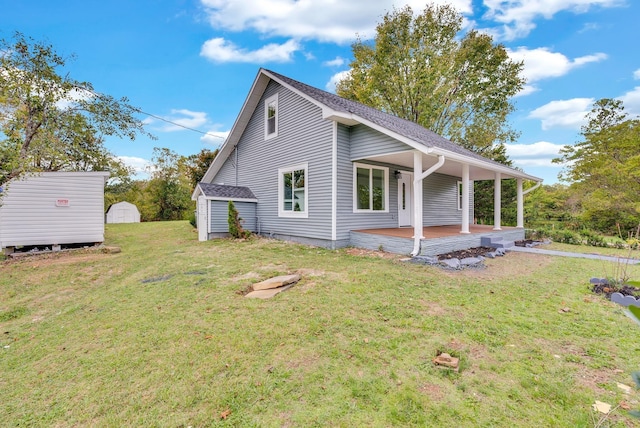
419	176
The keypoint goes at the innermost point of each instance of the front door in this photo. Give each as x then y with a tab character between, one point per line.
405	199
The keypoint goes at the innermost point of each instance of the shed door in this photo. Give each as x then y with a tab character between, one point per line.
203	219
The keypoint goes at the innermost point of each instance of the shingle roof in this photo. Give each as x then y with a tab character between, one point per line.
403	127
226	192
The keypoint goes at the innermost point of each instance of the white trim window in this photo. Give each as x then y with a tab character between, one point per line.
271	117
459	193
293	194
370	188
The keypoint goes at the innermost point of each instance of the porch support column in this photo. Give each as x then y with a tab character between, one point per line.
417	195
520	202
465	199
418	177
497	213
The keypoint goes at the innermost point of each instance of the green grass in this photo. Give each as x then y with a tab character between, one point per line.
160	335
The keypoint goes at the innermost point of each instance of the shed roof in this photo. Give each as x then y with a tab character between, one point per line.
225	192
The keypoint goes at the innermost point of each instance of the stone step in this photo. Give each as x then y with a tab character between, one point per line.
495	242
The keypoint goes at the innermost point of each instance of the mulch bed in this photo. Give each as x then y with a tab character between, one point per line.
463	254
609	289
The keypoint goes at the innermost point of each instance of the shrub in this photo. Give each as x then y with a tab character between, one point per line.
235	223
593	239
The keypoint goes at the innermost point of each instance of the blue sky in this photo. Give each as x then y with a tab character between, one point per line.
193	61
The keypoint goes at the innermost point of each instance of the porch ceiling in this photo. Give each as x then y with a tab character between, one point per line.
450	167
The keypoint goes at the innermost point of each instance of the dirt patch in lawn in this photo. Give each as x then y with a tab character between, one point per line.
371	253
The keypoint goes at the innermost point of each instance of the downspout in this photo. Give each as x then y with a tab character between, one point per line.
417	186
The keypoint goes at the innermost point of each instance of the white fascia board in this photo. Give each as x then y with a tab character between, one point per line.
219	198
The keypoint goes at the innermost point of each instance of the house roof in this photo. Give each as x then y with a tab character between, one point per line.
224	192
350	112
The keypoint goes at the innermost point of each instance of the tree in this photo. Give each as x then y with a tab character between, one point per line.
198	164
168	189
419	69
51	121
604	168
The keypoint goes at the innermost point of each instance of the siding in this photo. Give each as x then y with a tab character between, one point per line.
29	215
220	216
303	137
366	142
440	201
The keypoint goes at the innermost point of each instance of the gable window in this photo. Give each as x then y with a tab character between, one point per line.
292	191
370	188
459	187
271	117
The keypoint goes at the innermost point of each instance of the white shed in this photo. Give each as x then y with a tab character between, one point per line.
123	212
53	208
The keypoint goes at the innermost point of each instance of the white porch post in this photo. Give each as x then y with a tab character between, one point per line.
520	203
465	199
497	213
417	195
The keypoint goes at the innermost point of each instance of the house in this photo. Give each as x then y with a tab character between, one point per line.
52	209
328	171
122	212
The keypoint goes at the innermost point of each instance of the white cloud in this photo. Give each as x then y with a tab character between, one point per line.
527	90
323	20
518	16
139	165
636	74
631	101
337	62
541	63
563	113
215	138
536	154
331	84
179	120
221	50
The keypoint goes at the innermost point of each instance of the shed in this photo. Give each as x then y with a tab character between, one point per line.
123	212
53	209
212	209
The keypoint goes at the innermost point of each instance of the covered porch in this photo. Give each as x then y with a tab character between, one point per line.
435	240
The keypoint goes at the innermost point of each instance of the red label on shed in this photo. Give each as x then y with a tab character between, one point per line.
62	202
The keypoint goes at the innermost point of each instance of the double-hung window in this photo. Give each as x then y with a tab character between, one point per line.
370	188
292	191
271	117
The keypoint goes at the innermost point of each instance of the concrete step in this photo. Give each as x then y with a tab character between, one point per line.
495	242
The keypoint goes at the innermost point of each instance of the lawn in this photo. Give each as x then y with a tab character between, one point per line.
160	335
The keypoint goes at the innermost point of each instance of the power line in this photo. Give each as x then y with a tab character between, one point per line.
177	124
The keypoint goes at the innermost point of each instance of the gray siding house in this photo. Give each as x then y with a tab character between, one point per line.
323	170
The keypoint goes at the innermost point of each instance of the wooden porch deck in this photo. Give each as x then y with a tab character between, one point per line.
431	232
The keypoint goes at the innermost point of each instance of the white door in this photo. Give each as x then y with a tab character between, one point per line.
203	223
405	199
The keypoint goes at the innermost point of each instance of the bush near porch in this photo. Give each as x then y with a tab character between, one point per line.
160	334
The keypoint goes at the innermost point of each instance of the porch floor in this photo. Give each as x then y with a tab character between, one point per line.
431	232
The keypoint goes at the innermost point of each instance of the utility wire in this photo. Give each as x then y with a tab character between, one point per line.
177	124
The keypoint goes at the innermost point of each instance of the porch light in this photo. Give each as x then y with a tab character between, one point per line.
397	174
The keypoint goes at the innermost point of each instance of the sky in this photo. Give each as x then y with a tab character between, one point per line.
192	62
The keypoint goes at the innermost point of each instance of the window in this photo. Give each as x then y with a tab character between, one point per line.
292	191
371	188
271	117
459	187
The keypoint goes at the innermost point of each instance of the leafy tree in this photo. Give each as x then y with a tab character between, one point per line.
604	168
418	68
168	189
51	121
198	164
